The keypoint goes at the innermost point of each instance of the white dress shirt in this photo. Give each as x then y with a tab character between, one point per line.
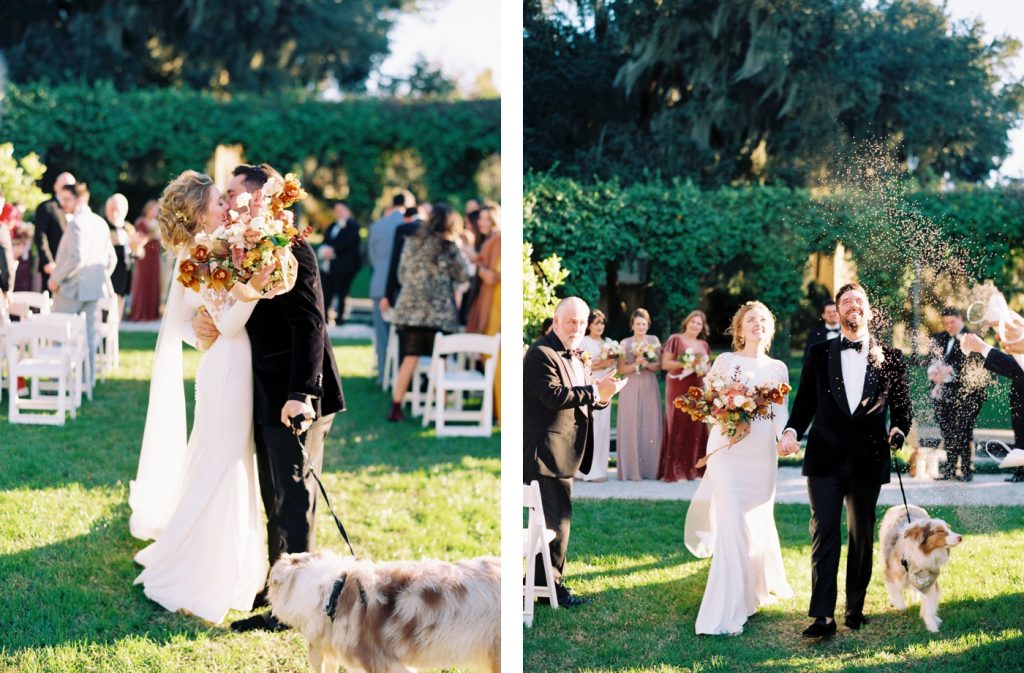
855	368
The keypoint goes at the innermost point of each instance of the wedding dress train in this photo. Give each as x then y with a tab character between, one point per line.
199	501
731	517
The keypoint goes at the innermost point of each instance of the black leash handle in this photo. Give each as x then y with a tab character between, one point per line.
895	444
296	424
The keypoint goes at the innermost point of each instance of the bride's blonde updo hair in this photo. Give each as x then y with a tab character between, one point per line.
181	208
736	327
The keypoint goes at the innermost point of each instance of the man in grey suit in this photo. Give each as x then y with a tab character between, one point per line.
83	265
381	242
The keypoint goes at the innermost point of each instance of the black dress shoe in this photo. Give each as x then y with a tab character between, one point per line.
566	598
820	629
854	622
1015	479
261	622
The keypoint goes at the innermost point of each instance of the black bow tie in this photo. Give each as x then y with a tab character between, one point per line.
845	343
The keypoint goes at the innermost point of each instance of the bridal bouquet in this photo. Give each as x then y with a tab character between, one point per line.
612	350
260	233
700	364
645	353
731	405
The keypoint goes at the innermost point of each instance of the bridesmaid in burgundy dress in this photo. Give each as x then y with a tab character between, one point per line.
146	278
684	441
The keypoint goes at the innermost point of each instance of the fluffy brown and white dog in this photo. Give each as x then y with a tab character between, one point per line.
391	617
912	554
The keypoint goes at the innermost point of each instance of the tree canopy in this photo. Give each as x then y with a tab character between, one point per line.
758	91
227	45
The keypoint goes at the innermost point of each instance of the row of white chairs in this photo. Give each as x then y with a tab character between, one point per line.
442	382
49	352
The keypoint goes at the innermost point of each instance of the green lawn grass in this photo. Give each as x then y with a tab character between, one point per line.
629	558
67	602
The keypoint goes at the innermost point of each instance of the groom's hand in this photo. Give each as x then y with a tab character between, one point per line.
787	445
294	408
204	327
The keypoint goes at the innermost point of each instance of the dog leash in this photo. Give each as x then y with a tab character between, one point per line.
296	425
895	445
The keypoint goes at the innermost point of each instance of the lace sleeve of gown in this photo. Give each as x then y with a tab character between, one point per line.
780	412
228	313
719	369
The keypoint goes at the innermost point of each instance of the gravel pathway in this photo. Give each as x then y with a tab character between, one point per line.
985	489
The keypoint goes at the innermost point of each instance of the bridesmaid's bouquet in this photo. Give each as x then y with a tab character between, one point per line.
612	350
731	405
646	354
260	233
698	363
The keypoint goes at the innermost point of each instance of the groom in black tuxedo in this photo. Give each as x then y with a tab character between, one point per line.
847	386
559	399
294	374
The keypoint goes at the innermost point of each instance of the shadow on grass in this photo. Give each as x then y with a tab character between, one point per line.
79	590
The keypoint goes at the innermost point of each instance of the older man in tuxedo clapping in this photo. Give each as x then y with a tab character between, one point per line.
559	398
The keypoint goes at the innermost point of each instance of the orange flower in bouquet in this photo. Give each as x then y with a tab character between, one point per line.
258	234
731	405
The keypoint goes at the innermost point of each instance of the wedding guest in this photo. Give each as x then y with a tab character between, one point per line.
83	265
145	305
430	269
595	344
411	223
829	329
116	210
379	246
51	221
559	401
24	278
486	276
8	263
685	440
959	400
1004	364
340	260
639	422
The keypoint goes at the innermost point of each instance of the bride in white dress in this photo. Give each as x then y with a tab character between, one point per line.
731	517
198	500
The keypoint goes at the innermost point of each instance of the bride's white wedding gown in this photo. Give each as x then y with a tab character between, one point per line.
731	517
199	502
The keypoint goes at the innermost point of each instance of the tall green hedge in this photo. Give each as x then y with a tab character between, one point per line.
146	136
753	242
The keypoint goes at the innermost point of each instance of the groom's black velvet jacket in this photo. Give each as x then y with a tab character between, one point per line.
291	351
836	432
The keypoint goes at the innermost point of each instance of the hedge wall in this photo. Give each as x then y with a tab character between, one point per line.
144	137
736	243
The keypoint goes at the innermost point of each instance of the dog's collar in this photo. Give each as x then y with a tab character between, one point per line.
332	602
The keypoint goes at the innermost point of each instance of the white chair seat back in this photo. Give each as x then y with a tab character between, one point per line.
536	540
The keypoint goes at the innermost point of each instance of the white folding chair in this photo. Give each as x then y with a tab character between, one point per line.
78	374
537	539
452	371
107	342
36	350
24	304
